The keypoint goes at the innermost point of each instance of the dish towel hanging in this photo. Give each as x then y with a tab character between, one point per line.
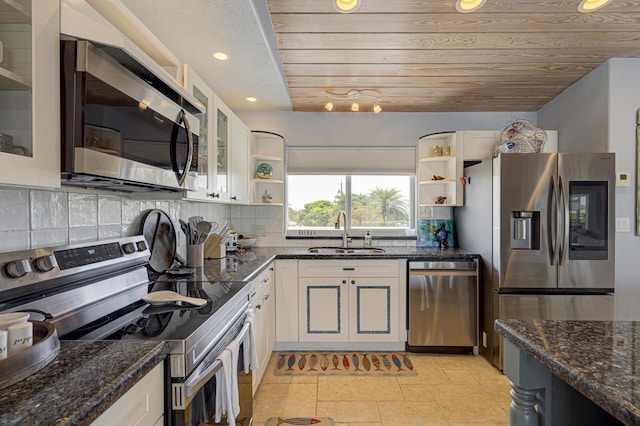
250	355
227	399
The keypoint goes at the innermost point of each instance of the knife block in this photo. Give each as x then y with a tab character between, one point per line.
213	248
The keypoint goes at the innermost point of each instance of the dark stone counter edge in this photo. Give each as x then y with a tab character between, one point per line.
94	407
623	411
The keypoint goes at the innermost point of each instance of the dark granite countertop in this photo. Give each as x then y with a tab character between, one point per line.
245	265
597	358
85	379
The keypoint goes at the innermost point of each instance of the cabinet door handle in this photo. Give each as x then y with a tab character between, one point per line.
214	195
353	281
344	281
234	198
258	306
348	269
266	297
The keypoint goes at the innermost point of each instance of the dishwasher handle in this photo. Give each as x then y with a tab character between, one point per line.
444	272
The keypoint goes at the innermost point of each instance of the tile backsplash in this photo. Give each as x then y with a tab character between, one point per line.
32	218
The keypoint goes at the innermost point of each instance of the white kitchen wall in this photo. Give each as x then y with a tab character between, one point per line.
368	129
32	218
598	113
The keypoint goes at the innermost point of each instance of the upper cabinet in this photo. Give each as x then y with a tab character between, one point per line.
29	93
222	159
239	149
267	168
439	166
206	142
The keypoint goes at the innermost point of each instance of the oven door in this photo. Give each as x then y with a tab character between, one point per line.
193	400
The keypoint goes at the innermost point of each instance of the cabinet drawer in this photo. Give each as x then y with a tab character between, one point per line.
340	268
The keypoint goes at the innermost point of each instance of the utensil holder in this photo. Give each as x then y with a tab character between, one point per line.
195	255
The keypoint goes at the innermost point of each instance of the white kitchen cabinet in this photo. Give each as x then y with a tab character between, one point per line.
286	281
263	304
222	158
141	405
439	168
349	301
239	149
29	93
267	148
206	142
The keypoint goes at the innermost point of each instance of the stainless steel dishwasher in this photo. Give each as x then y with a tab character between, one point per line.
443	306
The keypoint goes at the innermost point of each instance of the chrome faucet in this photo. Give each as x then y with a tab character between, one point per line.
345	237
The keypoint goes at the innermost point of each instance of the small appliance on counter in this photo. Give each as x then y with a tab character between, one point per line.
232	242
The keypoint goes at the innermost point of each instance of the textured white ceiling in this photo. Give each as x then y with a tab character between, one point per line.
192	29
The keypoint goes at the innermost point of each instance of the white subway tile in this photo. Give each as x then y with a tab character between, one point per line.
130	211
14	210
109	210
109	231
49	209
83	209
48	238
14	240
83	234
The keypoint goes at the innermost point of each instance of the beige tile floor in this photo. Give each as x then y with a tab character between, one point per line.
448	390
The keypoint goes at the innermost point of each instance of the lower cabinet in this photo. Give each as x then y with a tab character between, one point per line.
142	405
349	309
263	304
350	301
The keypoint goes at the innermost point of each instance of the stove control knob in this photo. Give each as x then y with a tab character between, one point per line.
44	263
128	248
17	268
141	245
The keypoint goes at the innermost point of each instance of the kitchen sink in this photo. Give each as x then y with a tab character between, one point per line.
340	250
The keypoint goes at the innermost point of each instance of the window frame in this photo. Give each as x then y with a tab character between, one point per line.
355	232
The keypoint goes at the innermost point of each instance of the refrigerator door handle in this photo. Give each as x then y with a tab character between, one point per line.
564	219
552	220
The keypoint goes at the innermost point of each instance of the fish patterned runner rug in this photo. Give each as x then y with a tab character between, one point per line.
344	363
297	421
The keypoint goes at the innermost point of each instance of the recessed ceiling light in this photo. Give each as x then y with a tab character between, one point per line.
346	6
221	56
586	6
251	99
466	6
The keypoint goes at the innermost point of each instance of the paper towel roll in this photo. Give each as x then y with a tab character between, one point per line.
3	344
20	337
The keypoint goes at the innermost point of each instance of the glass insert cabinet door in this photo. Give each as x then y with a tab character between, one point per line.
223	123
29	92
16	136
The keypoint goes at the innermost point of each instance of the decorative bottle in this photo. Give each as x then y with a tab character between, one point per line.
368	240
266	197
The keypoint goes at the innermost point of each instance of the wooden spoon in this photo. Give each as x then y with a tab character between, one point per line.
166	296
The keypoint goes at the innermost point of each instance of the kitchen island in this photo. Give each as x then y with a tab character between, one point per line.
572	372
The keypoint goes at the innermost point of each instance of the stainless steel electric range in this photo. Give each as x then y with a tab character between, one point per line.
94	291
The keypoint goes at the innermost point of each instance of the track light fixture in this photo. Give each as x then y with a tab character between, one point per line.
353	96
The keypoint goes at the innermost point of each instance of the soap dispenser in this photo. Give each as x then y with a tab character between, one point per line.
367	240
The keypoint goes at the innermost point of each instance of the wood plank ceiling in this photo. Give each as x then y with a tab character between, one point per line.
422	55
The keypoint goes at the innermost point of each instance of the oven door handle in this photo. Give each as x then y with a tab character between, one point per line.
193	384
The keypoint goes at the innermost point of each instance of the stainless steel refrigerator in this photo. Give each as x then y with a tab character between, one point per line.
544	226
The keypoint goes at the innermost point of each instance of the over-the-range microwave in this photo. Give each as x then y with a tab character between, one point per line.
121	127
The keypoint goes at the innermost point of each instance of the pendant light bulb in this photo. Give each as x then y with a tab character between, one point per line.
377	108
466	6
355	107
587	6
